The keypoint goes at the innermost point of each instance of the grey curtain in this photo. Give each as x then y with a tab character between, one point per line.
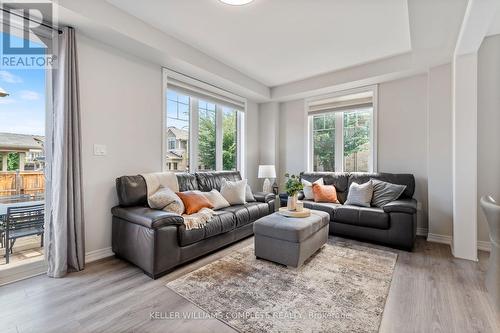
64	225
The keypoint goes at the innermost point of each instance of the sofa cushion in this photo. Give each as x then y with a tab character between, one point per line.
131	191
362	216
208	181
395	178
220	223
338	179
248	212
187	182
322	206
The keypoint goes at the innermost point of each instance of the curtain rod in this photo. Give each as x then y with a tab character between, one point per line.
34	21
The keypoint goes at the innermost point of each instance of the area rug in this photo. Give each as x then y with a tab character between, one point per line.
342	288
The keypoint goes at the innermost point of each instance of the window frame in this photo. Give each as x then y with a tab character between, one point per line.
194	124
339	129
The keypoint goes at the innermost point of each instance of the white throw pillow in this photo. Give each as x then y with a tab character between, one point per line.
248	194
308	188
216	199
360	194
234	192
165	199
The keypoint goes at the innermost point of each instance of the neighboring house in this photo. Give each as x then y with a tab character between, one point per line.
177	149
29	148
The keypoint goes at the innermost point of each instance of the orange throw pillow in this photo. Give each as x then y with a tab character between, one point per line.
325	193
193	202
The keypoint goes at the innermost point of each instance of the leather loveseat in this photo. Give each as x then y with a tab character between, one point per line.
394	225
157	241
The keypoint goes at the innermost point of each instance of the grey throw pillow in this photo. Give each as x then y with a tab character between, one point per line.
384	192
360	194
249	195
234	192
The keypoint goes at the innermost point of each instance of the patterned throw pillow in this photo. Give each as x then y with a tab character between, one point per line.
360	194
216	199
234	192
308	188
325	193
384	192
166	200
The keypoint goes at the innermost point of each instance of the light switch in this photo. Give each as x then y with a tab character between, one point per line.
99	150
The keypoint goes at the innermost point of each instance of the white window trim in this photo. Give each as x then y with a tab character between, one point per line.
339	133
193	125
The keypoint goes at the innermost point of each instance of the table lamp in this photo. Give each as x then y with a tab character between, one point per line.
267	171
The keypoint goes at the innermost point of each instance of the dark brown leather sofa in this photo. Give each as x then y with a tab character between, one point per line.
157	241
394	225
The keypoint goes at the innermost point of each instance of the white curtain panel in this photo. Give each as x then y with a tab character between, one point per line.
64	222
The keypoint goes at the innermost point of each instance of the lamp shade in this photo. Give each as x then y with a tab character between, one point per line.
267	171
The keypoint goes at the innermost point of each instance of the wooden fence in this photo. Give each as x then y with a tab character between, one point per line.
24	182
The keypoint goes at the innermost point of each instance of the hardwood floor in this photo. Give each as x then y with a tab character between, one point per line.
430	291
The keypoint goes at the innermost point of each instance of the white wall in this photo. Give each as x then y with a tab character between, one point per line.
121	100
269	135
293	139
465	156
403	132
252	145
440	161
488	122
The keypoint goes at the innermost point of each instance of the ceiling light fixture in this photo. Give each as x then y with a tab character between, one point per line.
236	2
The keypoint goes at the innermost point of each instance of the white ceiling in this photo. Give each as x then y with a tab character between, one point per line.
280	41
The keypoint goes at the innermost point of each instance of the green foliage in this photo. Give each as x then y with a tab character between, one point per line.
293	185
324	149
229	141
13	162
357	132
206	142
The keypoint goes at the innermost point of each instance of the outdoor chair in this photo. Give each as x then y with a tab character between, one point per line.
22	222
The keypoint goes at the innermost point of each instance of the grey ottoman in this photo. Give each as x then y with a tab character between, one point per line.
290	241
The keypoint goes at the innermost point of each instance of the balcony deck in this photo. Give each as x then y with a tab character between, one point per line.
26	249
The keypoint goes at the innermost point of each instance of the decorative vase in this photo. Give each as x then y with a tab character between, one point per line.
291	203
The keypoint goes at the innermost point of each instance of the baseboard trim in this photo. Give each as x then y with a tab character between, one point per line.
436	238
445	239
484	246
422	232
98	254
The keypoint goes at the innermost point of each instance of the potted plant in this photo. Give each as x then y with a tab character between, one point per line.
292	187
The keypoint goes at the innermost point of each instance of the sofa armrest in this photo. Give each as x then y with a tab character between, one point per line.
408	206
264	197
147	217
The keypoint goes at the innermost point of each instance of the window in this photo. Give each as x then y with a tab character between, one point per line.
171	143
178	106
206	123
324	142
341	131
207	136
230	139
